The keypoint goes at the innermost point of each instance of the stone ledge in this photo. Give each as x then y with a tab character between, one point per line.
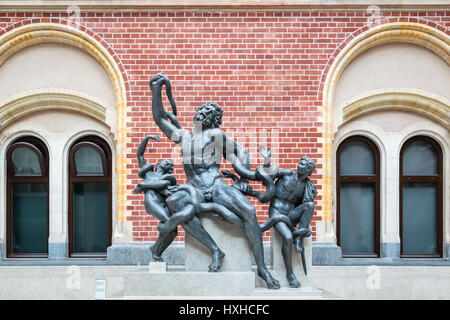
139	254
298	293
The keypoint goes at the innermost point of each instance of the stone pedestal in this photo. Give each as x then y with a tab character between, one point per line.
237	277
230	239
155	282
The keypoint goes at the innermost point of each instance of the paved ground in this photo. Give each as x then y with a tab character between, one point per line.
384	282
347	282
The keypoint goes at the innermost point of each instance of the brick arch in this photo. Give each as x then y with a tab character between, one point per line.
392	30
25	33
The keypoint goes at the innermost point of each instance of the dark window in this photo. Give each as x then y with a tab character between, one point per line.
89	198
421	198
358	191
27	194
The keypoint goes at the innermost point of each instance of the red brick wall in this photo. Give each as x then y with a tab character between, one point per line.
264	68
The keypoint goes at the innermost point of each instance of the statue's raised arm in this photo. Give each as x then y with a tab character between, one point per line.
171	128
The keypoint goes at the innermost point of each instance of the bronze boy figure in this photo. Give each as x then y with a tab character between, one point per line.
294	198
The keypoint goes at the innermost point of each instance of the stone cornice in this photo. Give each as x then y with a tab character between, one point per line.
136	5
403	99
50	99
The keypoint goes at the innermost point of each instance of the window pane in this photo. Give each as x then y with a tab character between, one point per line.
29	218
88	162
357	158
419	158
419	217
25	162
90	217
357	218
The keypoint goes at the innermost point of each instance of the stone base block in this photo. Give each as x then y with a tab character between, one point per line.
142	283
447	245
157	267
324	254
390	250
230	239
57	251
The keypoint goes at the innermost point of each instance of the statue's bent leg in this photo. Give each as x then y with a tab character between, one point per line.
195	228
222	211
177	218
236	202
303	214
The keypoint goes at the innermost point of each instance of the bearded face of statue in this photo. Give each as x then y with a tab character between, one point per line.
210	115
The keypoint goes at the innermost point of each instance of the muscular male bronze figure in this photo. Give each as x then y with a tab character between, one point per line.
202	152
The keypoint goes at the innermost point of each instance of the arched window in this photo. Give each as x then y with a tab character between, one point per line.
27	194
90	210
421	198
358	194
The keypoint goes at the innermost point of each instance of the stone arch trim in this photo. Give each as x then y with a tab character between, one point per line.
41	100
424	103
419	34
416	31
29	32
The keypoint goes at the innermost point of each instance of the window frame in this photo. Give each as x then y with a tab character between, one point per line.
105	153
42	154
438	179
375	179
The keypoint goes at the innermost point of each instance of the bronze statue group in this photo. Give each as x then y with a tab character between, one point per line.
291	194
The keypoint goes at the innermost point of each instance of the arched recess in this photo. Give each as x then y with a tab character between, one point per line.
35	33
397	32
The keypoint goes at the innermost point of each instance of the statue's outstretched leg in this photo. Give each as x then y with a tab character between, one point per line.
161	212
164	240
236	202
286	251
195	228
177	203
